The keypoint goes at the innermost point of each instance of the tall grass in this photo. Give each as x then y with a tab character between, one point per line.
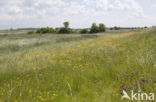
91	71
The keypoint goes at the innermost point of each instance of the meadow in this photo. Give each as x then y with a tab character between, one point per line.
77	67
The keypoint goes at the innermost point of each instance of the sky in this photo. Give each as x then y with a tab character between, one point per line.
80	13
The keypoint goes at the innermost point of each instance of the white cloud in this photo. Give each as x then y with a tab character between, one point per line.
74	9
130	6
154	6
136	8
102	2
54	12
118	5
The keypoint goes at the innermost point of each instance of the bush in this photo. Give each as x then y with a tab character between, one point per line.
111	28
102	28
94	28
116	28
45	30
30	32
84	31
64	30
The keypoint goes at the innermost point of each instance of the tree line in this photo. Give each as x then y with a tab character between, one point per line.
66	29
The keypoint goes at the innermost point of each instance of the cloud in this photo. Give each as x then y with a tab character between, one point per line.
136	8
154	6
130	6
36	13
10	7
118	5
74	9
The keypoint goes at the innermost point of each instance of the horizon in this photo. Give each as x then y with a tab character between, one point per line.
81	14
77	28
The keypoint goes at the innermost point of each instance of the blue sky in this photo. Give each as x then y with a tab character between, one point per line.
80	13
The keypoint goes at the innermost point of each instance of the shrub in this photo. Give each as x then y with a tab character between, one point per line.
102	28
45	30
84	31
30	32
64	30
116	28
94	28
111	28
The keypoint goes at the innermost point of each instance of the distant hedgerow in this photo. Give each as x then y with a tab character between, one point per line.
45	30
65	29
84	31
102	28
31	32
97	29
94	28
116	28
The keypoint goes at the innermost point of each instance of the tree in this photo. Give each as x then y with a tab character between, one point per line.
45	30
84	31
94	28
111	28
102	28
65	29
116	28
66	24
31	32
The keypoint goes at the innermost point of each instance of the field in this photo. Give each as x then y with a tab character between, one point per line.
77	68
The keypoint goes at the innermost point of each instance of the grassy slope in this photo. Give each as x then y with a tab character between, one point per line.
91	70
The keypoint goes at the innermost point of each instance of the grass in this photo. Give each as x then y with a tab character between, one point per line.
6	32
76	68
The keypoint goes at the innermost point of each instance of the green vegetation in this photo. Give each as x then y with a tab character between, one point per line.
65	29
102	28
66	24
76	68
45	30
116	28
94	28
31	32
97	29
84	31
